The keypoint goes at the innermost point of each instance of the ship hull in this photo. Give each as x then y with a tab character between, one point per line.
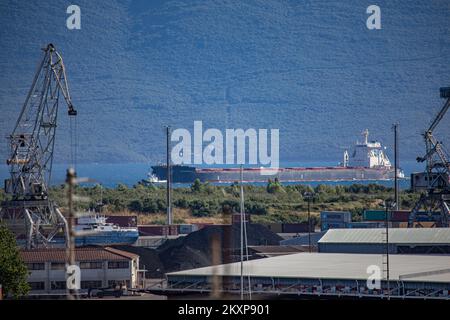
108	238
105	238
187	174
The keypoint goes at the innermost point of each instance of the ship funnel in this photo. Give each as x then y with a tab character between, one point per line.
365	134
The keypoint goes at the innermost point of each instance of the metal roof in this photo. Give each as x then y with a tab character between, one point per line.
396	235
332	266
81	254
303	239
271	251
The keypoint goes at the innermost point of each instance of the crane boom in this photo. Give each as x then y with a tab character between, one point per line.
33	138
439	116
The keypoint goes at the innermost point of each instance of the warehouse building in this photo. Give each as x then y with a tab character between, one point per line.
322	274
100	267
303	240
401	241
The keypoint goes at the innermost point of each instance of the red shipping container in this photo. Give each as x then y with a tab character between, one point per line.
151	230
173	230
122	221
201	225
158	230
296	227
399	216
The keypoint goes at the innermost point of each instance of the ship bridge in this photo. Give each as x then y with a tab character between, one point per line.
369	154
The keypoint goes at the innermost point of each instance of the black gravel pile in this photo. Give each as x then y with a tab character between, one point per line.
195	249
148	260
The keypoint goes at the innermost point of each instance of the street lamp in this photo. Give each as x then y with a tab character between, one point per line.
309	196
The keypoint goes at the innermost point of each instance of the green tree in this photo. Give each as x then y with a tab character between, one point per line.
197	186
135	205
274	186
13	272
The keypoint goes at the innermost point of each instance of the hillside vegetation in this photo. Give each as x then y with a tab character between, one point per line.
207	203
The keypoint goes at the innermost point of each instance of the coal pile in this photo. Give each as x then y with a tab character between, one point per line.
148	260
195	250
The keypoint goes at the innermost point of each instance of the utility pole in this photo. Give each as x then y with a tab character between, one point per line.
169	178
396	198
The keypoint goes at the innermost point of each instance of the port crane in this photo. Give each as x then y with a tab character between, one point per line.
435	181
31	215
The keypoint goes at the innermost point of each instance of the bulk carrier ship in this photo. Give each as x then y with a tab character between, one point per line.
368	161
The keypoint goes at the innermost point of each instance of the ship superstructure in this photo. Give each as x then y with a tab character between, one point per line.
368	154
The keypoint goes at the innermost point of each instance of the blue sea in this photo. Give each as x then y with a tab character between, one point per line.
110	175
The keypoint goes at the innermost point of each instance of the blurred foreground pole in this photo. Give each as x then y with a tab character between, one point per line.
71	180
216	258
242	231
169	178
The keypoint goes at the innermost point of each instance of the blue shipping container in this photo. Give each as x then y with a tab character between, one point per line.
337	216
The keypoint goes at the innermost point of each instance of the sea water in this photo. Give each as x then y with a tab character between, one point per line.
112	174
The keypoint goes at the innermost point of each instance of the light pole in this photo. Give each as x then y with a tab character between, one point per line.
309	196
396	196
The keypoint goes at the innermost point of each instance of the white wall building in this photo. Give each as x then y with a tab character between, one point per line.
100	267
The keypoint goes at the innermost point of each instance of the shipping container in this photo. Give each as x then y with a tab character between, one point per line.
275	227
199	226
332	225
185	228
122	221
364	225
158	230
236	218
399	215
425	216
337	216
173	230
296	227
374	215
